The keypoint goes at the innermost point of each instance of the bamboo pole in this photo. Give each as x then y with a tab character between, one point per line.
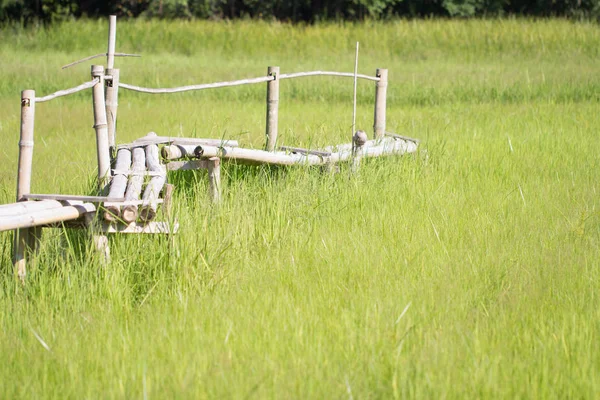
112	103
380	103
154	187
272	108
112	88
24	175
112	41
45	217
134	188
214	179
118	185
344	152
23	207
101	127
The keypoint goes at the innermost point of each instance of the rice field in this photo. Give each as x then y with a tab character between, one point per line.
467	270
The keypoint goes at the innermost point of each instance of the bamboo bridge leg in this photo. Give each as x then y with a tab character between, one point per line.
380	102
272	108
358	141
214	179
22	236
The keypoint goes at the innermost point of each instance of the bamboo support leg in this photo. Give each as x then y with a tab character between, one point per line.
24	176
358	141
102	247
272	108
380	103
214	179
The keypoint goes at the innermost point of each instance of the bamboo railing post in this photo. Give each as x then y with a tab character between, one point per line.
112	41
380	102
112	88
112	103
101	127
214	179
272	108
24	175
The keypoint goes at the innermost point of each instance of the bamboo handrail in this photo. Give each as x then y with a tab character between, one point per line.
66	92
242	82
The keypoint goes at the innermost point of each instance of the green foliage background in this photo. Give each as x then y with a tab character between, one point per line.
291	10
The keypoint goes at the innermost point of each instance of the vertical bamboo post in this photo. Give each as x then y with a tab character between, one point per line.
112	103
272	108
112	88
214	179
24	175
101	127
380	102
112	41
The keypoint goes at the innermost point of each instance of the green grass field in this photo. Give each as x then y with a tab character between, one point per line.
469	270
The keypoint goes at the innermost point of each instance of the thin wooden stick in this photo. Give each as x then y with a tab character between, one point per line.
380	103
134	188
98	55
272	108
154	187
354	93
118	185
101	127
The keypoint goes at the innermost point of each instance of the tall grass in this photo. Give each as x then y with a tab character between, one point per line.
467	270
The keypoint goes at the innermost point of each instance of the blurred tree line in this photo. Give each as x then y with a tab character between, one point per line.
46	11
